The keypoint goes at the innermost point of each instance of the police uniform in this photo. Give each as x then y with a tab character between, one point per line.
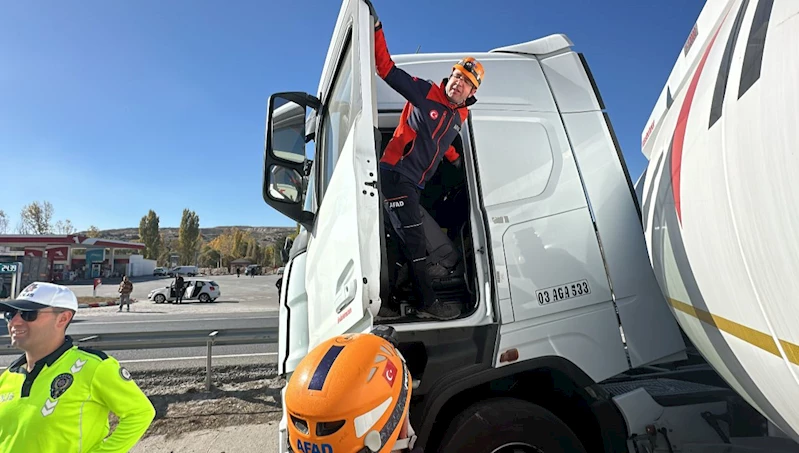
62	404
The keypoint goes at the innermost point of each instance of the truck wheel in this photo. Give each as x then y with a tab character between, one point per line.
508	425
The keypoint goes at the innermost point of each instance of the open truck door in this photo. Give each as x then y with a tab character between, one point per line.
344	251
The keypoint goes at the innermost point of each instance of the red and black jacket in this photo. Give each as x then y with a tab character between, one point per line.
428	124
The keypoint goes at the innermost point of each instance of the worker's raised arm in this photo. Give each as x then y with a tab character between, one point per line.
411	88
114	388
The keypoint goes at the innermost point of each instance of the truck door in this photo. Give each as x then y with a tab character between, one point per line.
650	329
555	298
344	253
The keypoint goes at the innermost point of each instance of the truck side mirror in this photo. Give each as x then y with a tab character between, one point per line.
284	154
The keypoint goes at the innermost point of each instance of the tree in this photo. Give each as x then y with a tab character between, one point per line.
234	243
167	248
93	232
258	255
224	245
209	257
189	237
149	235
3	222
295	233
269	257
251	244
36	218
64	227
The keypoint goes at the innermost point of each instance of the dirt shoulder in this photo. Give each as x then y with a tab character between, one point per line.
242	396
96	300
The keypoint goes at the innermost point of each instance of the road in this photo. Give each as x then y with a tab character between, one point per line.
237	293
245	301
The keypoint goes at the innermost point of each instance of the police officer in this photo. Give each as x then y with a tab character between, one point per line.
57	396
429	123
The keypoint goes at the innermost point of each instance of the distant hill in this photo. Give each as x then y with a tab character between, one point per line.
264	235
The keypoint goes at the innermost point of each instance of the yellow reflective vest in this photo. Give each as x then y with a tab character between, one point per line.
62	405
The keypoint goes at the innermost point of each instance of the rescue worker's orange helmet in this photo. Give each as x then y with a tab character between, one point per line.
472	69
350	394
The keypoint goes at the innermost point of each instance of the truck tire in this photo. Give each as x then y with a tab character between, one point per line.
508	425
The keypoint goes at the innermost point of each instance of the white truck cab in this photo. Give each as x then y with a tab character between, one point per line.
560	309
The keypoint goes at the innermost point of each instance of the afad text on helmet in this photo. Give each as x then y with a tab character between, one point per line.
310	447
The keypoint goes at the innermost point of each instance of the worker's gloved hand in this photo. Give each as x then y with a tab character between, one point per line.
372	11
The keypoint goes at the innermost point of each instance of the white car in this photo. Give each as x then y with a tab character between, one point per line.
201	289
160	271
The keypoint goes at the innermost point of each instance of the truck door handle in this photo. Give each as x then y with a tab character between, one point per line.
345	295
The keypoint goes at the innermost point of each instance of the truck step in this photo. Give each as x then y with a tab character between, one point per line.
671	392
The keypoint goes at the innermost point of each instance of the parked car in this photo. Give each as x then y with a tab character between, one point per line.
201	289
252	269
160	271
191	271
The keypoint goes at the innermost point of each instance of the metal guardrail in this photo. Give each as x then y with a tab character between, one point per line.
168	339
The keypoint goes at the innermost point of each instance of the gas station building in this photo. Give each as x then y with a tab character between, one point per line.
72	257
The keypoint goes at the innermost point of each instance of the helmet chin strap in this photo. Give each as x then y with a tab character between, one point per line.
406	444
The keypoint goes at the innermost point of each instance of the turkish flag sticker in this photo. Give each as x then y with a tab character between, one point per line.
390	373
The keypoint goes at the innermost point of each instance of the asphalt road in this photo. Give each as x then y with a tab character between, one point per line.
243	292
245	302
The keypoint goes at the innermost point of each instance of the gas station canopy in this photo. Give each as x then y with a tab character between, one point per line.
35	245
53	257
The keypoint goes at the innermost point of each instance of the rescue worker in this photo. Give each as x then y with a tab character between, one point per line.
430	121
57	396
335	399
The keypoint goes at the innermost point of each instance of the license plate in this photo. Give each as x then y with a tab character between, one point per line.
563	292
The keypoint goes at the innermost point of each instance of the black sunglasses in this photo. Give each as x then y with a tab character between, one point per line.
26	315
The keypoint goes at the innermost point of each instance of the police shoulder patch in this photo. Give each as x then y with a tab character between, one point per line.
60	385
125	374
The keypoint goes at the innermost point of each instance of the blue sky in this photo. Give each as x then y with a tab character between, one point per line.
109	109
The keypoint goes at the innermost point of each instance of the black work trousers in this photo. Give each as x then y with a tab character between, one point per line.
401	197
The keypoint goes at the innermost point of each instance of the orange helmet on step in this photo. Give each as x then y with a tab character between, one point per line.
472	69
350	394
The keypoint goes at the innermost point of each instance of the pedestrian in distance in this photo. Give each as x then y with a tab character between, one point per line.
57	396
178	289
125	288
430	121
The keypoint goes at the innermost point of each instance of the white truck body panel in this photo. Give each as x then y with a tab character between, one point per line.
719	198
